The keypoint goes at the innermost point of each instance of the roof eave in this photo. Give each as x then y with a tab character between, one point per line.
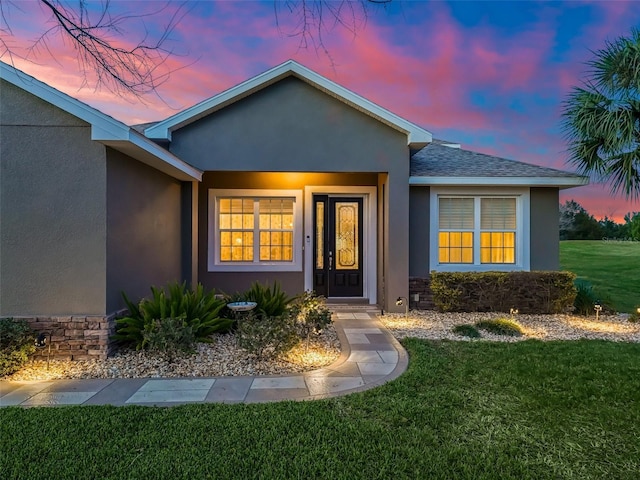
145	151
104	129
560	182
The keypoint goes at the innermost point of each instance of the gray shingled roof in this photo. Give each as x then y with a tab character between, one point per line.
436	160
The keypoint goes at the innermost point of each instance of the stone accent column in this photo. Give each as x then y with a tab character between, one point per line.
75	337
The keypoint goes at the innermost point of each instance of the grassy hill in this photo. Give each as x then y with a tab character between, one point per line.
613	268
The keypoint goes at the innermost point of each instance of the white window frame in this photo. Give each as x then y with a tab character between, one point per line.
523	237
213	254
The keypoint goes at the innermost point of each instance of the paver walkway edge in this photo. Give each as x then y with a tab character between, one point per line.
370	356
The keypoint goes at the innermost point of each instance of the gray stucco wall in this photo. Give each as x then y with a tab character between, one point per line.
419	233
144	238
545	237
293	127
52	210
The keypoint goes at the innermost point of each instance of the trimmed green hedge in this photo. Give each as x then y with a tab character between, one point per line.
529	292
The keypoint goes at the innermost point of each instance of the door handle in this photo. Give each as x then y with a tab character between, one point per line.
330	259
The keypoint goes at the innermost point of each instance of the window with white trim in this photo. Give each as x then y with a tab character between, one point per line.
477	230
255	230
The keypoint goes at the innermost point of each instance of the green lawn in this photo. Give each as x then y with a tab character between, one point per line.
531	410
613	268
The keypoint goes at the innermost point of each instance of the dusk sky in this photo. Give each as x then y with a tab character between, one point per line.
489	75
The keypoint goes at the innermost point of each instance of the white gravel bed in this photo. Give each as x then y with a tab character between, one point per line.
221	358
435	326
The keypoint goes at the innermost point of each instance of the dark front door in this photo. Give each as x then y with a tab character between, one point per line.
337	247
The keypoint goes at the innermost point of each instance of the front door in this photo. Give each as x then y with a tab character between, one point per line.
337	246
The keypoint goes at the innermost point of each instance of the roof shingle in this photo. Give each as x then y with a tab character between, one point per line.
437	160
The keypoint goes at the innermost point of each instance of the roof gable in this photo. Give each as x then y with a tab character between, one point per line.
104	129
162	130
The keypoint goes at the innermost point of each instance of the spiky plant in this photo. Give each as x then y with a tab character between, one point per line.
601	119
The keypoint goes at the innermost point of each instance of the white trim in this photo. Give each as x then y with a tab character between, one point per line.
562	182
370	228
415	134
523	234
104	129
213	256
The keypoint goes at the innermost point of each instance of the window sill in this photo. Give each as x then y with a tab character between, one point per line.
255	267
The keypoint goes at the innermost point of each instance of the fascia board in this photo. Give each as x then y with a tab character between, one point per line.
562	182
415	134
103	127
146	151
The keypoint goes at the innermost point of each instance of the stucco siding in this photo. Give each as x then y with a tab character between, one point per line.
419	232
144	241
290	127
52	210
545	243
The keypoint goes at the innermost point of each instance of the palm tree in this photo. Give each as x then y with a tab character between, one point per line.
601	119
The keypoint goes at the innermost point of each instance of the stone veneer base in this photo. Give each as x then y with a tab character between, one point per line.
75	337
422	287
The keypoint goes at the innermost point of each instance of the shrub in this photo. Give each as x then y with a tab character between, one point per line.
169	336
311	313
271	300
587	298
500	326
530	292
265	336
466	330
198	311
16	344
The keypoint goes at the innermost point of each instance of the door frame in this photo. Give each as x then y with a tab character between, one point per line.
369	230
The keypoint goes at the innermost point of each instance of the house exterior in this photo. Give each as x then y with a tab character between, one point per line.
287	176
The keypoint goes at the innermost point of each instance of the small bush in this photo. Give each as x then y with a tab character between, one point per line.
500	326
170	336
466	330
311	313
265	336
199	311
16	344
271	300
587	298
530	292
634	317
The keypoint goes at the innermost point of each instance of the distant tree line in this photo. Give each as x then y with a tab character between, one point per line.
577	224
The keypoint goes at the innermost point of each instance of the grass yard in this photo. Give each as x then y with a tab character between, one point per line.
529	410
613	268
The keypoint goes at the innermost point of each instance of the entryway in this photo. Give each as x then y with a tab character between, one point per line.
340	242
337	246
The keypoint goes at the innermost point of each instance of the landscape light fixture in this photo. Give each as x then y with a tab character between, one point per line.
41	342
598	308
403	301
513	311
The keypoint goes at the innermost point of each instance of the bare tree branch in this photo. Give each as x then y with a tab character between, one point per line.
316	18
98	38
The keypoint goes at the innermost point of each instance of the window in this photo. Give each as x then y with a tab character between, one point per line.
256	228
478	232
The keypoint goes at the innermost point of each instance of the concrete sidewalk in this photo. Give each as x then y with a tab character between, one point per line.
370	357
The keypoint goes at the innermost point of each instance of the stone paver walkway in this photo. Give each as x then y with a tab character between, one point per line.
370	357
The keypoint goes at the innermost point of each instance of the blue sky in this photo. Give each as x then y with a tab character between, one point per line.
490	75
